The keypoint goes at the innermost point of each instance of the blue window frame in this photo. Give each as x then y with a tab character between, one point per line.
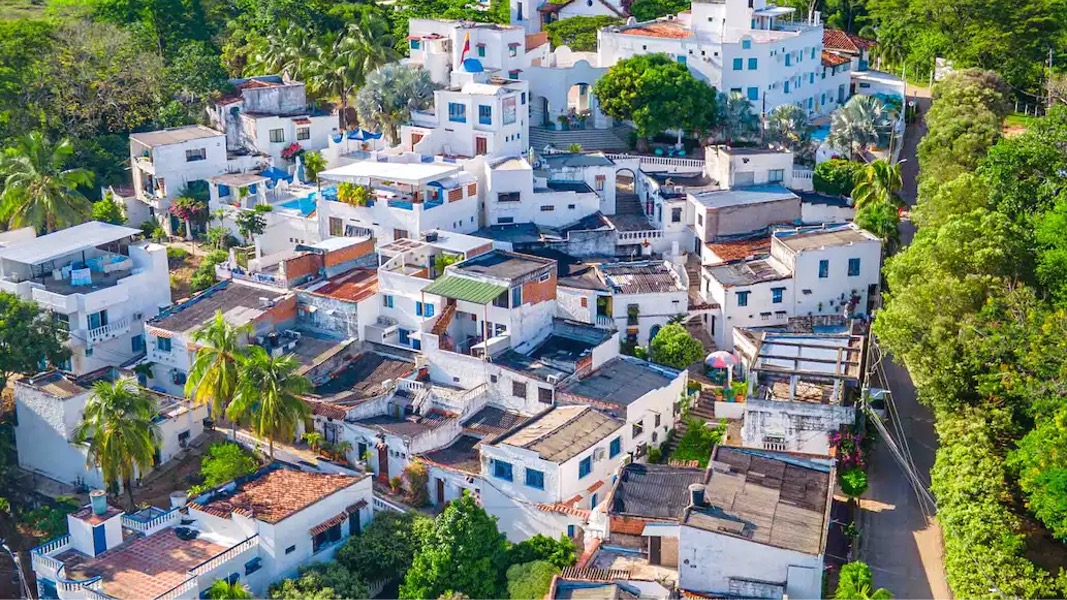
485	114
415	44
502	470
585	467
387	301
811	77
787	87
742	298
746	44
416	344
824	268
137	343
481	50
789	59
457	113
776	295
522	98
753	64
535	479
739	63
753	93
428	309
681	58
163	344
253	565
813	53
615	448
405	337
516	296
418	308
570	531
853	267
592	501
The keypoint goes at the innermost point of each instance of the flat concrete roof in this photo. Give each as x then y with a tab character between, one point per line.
843	235
622	381
65	242
176	135
562	433
409	173
743	196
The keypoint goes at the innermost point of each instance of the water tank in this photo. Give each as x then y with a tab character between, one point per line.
98	500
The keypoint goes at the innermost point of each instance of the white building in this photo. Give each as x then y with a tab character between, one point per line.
50	407
101	283
436	46
758	526
827	270
406	198
802	388
478	114
268	114
166	164
255	531
515	192
748	48
559	460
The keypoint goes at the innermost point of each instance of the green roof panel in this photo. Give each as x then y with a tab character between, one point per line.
461	288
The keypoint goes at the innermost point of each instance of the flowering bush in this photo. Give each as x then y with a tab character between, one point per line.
848	448
292	151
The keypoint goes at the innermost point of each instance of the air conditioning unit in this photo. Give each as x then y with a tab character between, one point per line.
552	378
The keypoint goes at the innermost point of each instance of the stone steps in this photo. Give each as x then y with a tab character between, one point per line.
615	139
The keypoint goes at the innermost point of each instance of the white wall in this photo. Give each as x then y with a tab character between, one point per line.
805	426
45	425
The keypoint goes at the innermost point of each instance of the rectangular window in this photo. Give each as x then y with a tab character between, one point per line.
502	470
636	431
681	58
599	182
824	268
789	59
303	133
753	64
676	215
513	51
739	63
290	549
457	113
736	91
853	267
428	309
518	12
196	154
418	308
405	337
336	227
523	98
742	298
776	175
753	93
615	447
415	44
163	344
481	50
277	136
387	301
485	114
787	87
137	343
97	319
505	220
326	538
746	44
585	467
518	389
508	197
516	296
544	395
535	479
776	295
547	208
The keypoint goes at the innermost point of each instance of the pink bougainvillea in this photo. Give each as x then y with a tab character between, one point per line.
848	448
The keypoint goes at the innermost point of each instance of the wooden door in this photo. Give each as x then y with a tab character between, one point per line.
654	550
481	146
383	463
440	492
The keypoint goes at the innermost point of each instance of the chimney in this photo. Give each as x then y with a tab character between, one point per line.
96	528
696	494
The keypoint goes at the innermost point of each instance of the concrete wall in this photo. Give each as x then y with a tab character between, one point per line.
732	220
804	426
45	424
576	304
733	169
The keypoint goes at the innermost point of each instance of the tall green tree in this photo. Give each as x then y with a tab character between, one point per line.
674	347
251	223
39	191
881	219
855	583
391	94
878	182
216	368
463	552
857	125
656	93
118	428
268	395
29	337
386	548
224	589
108	210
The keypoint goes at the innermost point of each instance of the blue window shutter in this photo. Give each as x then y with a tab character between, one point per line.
418	308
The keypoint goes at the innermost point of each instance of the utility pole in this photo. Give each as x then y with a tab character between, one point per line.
1048	82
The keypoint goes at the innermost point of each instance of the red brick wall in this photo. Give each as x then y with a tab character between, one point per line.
302	266
534	291
628	525
349	253
480	250
283	311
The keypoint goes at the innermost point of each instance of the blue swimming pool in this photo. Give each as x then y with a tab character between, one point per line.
820	133
307	204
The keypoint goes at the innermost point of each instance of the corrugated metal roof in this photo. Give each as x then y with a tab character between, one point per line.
461	288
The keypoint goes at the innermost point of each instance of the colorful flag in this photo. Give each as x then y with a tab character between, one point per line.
466	47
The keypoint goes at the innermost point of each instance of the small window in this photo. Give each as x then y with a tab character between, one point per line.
776	175
387	301
457	113
253	565
508	197
290	549
824	268
505	220
753	93
481	50
535	479
544	395
513	51
163	344
853	267
277	136
518	389
303	133
584	302
776	295
742	298
739	63
700	220
492	378
585	467
599	182
196	154
516	296
747	44
415	44
571	206
636	431
522	99
615	447
676	215
502	470
753	64
485	114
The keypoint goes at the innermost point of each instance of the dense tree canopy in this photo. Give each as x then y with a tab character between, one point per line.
28	337
579	33
674	347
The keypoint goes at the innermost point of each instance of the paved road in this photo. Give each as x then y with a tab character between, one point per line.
901	541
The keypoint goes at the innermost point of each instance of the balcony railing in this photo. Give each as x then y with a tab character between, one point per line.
40	558
182	589
109	331
637	236
217	560
147	527
664	161
605	322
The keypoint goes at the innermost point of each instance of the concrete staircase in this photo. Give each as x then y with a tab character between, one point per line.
704	410
616	139
627	203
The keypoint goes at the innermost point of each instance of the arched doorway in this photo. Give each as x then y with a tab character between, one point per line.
652	333
540	113
580	103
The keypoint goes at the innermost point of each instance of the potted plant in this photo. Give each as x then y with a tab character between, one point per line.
395	484
341	450
564	122
313	439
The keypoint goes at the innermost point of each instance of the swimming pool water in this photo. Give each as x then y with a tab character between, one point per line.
305	205
821	133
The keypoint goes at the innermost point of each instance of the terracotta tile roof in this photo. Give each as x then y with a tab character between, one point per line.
596	486
829	59
86	514
144	567
835	39
277	494
563	509
328	523
536	40
354	286
660	29
358	506
741	249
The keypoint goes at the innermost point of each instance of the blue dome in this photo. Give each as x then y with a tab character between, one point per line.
473	65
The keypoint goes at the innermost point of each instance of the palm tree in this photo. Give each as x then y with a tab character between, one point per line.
862	122
117	425
288	50
788	125
882	219
225	590
268	393
878	182
38	191
389	96
214	376
736	117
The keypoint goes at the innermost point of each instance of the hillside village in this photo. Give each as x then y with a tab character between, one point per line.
646	348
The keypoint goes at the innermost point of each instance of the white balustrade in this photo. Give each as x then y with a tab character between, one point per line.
629	236
111	330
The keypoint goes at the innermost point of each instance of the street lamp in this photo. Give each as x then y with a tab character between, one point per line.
18	567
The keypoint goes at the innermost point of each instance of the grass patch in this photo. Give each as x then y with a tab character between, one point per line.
1019	120
698	441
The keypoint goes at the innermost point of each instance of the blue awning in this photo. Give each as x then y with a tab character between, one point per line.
275	174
